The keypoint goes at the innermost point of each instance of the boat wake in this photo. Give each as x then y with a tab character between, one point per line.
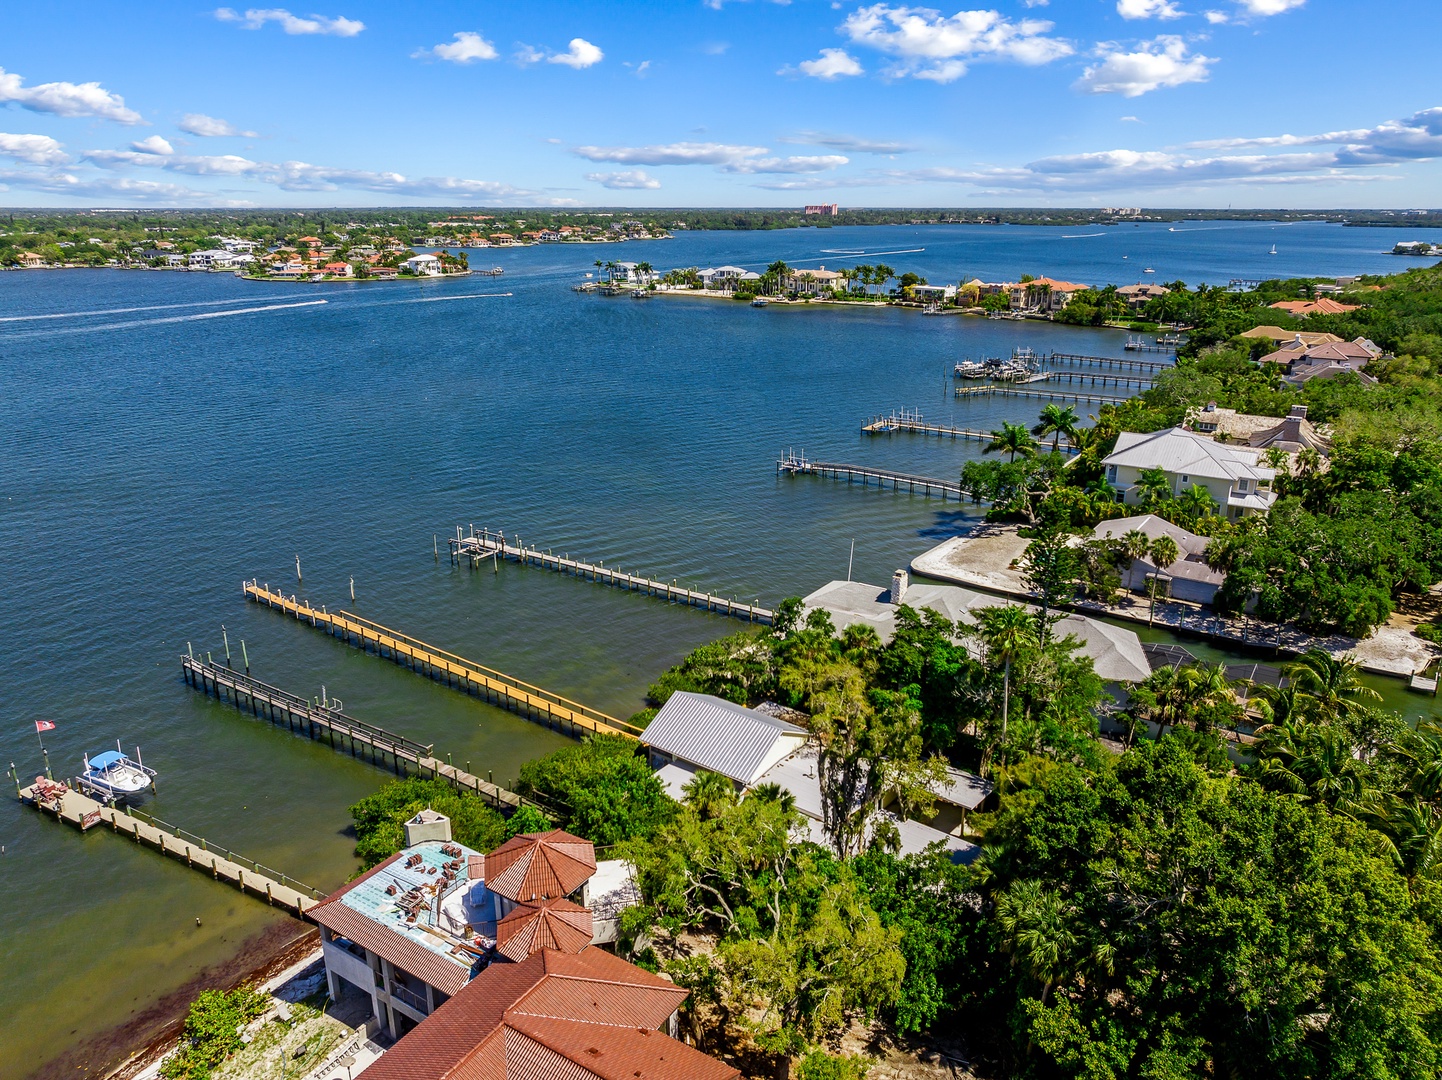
129	310
172	319
465	296
1080	235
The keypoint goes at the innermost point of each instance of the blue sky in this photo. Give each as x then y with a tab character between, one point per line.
1248	103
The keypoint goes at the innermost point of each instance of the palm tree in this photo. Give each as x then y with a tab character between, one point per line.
1008	631
884	274
1153	488
1033	920
709	794
1012	437
1332	683
1196	503
773	793
1056	421
1163	551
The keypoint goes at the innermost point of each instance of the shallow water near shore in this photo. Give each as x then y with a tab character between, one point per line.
153	459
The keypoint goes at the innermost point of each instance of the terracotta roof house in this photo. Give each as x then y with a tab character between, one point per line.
540	866
1326	360
1044	294
412	932
1137	295
553	1017
551	924
1280	336
1324	305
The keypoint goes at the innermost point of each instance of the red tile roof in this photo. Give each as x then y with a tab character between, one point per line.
538	866
551	924
1322	306
553	1016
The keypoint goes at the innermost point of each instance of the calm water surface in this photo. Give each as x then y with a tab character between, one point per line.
152	459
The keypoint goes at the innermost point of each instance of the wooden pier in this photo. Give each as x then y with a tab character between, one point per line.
478	546
73	808
1124	363
793	465
913	423
1067	395
1142	382
1145	346
324	722
534	703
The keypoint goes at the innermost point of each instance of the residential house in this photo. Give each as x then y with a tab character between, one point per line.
752	748
338	269
1281	337
554	1016
725	278
933	294
1323	305
1115	652
502	239
1291	433
818	282
423	265
209	259
31	260
1302	362
383	273
1044	294
1232	476
1188	577
629	273
1137	295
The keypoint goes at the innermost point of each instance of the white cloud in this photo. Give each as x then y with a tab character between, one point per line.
929	45
1130	120
153	144
1216	18
255	18
467	48
528	54
1148	9
627	180
109	187
209	127
301	176
581	54
1156	64
848	142
799	164
66	99
831	64
680	153
34	149
1269	7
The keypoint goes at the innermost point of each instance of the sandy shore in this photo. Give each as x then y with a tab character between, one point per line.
986	558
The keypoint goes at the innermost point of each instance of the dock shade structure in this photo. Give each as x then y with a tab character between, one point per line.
697	731
540	866
553	1016
551	924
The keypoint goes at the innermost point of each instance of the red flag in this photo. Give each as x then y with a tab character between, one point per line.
44	725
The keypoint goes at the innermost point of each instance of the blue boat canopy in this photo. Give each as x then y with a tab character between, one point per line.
107	759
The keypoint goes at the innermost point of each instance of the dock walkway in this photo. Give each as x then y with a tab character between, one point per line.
1007	391
478	546
532	702
1125	363
73	808
324	721
912	422
793	465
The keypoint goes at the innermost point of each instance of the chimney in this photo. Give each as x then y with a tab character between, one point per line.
899	581
428	825
1291	430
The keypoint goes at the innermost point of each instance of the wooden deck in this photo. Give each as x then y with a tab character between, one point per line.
475	547
1007	391
793	465
73	808
912	423
1125	363
324	722
520	697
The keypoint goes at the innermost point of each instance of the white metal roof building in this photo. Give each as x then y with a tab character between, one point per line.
698	731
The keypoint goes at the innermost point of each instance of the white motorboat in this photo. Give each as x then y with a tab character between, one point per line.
114	775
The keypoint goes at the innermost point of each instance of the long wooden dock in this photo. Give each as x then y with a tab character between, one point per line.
1088	378
520	697
913	423
478	546
1125	363
324	722
1143	345
792	465
73	808
1066	395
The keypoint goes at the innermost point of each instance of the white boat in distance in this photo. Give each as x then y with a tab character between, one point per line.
114	775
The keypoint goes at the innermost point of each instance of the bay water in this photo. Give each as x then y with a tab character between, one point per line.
164	436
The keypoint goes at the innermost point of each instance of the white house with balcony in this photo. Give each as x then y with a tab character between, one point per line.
1231	475
424	265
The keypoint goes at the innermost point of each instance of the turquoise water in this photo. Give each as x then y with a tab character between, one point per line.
152	459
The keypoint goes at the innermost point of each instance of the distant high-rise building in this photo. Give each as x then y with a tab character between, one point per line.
824	210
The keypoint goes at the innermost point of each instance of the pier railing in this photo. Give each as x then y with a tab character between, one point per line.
799	465
225	853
